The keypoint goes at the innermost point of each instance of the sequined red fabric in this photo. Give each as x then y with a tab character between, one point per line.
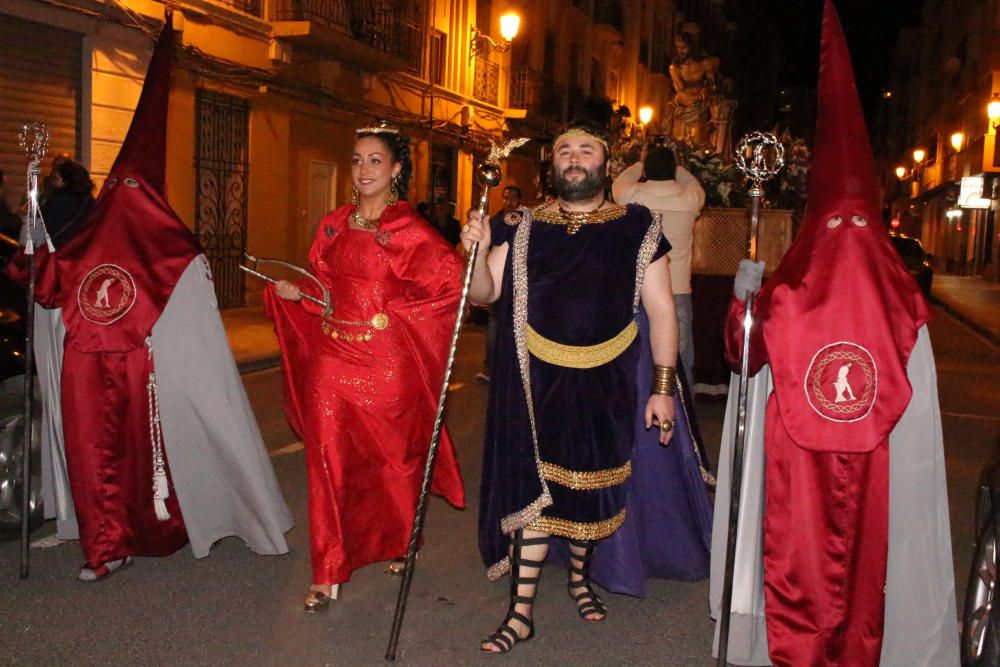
364	398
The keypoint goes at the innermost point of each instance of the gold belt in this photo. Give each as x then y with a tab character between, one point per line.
378	322
580	356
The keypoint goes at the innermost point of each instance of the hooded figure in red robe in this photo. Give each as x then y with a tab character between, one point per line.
856	538
159	442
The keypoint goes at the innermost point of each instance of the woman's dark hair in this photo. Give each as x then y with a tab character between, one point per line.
661	164
75	177
399	147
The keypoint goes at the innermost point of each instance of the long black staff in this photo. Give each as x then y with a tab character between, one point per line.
34	140
760	156
488	176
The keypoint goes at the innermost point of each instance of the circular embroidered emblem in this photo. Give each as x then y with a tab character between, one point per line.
842	382
106	294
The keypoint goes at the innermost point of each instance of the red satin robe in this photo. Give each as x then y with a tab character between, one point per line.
365	408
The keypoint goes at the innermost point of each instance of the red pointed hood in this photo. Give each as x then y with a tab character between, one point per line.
841	314
144	152
116	275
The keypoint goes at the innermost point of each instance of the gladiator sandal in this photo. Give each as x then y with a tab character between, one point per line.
588	605
523	589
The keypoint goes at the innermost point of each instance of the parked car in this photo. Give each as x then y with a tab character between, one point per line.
12	310
916	260
980	645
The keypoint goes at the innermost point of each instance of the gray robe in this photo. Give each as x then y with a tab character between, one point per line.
221	472
920	613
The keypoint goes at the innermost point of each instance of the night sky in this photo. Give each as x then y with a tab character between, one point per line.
871	27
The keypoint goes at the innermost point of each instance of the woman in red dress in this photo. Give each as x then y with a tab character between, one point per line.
362	381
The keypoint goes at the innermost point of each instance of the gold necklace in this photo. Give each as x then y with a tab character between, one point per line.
576	219
363	222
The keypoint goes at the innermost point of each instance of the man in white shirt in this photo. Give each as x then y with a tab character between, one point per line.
674	194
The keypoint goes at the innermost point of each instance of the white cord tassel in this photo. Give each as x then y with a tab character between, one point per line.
161	489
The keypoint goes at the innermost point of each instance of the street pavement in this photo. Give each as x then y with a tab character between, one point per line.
235	608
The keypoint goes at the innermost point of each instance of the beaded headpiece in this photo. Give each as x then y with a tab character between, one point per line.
580	132
383	127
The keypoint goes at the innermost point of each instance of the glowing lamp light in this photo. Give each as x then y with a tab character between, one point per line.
895	223
645	114
509	25
900	172
993	110
953	213
957	141
919	154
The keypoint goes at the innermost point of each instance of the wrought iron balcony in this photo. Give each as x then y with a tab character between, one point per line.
487	81
532	90
384	30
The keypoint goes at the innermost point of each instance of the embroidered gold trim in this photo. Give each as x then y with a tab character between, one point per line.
580	356
526	515
519	265
579	480
497	570
551	213
706	475
646	251
578	530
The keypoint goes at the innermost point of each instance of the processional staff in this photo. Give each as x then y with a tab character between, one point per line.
34	141
760	156
488	175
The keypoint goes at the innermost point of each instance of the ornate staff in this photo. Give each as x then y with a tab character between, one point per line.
488	176
34	140
759	156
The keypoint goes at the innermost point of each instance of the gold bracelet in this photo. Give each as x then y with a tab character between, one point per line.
664	380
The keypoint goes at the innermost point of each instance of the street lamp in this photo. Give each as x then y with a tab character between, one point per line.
901	172
918	155
993	111
957	141
509	25
645	114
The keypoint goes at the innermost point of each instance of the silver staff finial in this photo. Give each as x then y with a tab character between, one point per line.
760	156
34	140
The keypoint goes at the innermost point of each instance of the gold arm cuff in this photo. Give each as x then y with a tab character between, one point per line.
580	356
664	380
577	530
586	481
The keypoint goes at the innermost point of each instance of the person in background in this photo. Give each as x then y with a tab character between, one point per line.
511	202
676	196
68	201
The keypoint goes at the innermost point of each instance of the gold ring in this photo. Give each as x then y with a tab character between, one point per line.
465	228
666	426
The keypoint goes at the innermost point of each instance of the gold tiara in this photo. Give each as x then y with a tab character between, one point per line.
580	132
383	127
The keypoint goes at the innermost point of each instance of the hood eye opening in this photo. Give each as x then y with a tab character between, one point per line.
834	222
112	182
131	182
859	221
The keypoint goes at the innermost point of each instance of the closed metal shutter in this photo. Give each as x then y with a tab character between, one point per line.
39	81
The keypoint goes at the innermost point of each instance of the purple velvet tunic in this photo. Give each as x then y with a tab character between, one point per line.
569	475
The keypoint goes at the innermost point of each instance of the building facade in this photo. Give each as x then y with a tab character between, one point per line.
266	94
944	75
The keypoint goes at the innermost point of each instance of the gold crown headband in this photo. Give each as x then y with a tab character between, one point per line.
579	132
382	128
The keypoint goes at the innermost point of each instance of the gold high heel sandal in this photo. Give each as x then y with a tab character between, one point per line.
317	601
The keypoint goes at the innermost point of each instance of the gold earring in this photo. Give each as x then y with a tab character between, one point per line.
355	196
393	193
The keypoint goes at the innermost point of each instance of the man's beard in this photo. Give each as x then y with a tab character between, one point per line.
587	188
